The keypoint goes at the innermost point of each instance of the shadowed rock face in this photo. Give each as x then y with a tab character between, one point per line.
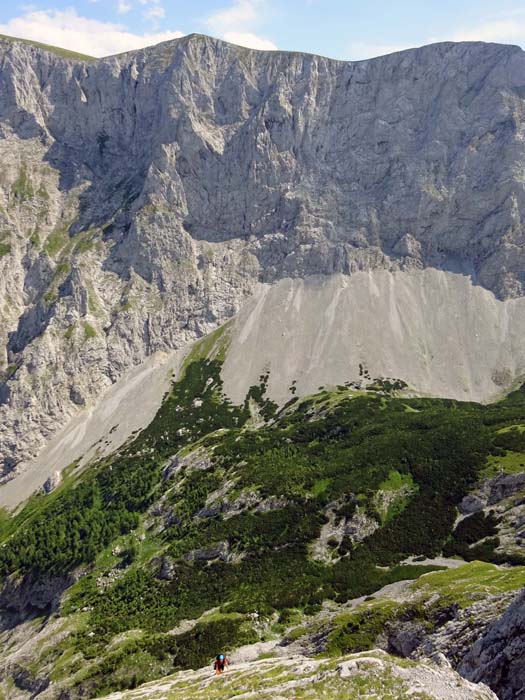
497	658
142	197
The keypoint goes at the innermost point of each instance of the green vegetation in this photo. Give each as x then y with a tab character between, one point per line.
5	249
508	453
358	630
470	531
22	187
89	331
468	583
379	676
11	371
508	463
84	241
43	193
210	347
151	655
407	469
394	495
64	53
57	240
435	599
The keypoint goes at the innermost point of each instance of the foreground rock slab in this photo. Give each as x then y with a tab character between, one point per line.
372	675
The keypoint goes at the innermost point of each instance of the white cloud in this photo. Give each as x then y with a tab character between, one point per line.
510	31
501	31
123	7
241	14
155	12
67	29
252	41
238	23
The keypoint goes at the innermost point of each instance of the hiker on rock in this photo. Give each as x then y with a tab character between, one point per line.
220	664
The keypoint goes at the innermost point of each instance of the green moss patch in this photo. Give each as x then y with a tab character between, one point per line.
22	187
89	331
507	463
471	582
57	240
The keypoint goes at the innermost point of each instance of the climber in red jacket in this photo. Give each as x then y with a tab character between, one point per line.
220	664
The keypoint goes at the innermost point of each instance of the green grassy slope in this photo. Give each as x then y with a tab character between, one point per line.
64	53
235	517
371	676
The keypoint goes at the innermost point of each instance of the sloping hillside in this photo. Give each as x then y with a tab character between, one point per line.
222	524
146	196
373	676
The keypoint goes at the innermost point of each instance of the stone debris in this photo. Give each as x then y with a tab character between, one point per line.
372	675
102	271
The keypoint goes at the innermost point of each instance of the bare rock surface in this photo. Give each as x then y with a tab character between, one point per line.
497	659
124	409
145	196
434	330
372	675
502	498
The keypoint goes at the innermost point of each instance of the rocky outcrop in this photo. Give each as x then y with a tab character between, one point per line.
492	492
144	196
356	528
374	675
503	499
24	680
454	634
52	482
32	595
216	552
497	659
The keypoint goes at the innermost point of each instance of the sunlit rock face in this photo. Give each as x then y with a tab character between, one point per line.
145	198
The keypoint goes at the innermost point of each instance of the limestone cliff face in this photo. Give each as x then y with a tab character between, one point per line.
497	658
143	196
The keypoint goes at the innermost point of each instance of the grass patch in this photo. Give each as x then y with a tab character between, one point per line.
512	428
11	371
358	630
471	582
57	240
84	241
63	53
210	347
22	188
394	495
89	331
509	463
302	459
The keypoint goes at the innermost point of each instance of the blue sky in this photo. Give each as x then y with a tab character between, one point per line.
346	29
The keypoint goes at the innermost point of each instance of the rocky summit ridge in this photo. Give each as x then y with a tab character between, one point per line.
144	198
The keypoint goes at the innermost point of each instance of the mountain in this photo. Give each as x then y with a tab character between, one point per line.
346	522
374	674
262	378
148	197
